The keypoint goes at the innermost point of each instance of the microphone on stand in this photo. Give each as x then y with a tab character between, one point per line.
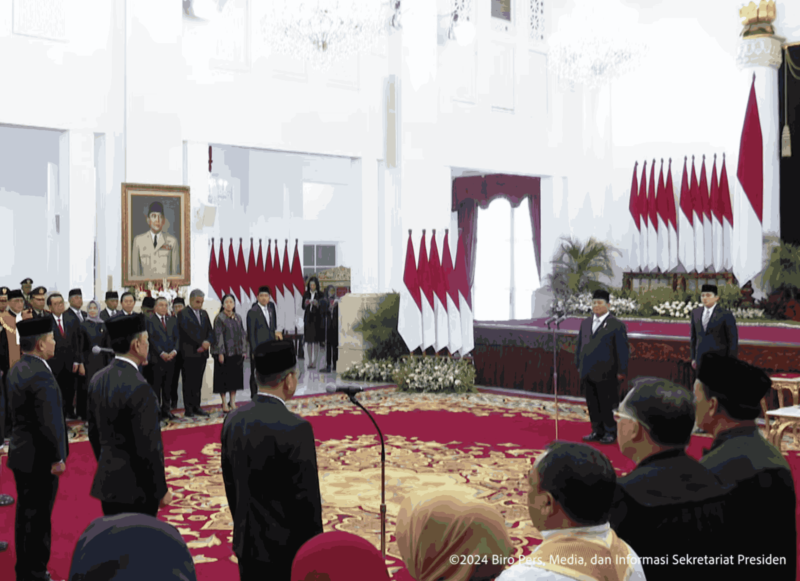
345	389
558	318
97	350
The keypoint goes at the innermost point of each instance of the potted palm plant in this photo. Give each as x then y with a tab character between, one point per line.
782	277
577	267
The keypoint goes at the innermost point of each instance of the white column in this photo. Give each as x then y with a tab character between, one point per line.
367	280
763	56
196	177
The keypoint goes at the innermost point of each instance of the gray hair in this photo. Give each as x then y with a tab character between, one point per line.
196	293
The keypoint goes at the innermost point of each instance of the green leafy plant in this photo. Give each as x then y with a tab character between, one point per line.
378	328
783	268
577	267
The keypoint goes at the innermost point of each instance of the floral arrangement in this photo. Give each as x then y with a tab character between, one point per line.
438	374
582	304
375	370
676	309
162	289
749	313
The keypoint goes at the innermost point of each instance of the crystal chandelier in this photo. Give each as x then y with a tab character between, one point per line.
219	190
591	52
324	31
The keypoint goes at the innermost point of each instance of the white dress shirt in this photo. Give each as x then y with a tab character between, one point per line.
17	318
130	361
707	315
265	310
598	321
527	569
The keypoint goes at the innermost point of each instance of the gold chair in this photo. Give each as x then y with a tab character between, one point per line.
782	382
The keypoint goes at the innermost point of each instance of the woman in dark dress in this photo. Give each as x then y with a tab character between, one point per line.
94	334
312	319
330	317
229	350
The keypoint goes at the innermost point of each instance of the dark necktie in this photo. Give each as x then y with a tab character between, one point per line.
60	328
155	241
199	320
164	322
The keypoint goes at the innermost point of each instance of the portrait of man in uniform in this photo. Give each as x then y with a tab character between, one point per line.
155	239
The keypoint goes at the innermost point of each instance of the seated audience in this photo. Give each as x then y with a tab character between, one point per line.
338	556
434	527
762	502
669	504
572	487
131	547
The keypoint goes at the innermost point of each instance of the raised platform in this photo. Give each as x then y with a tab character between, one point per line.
518	354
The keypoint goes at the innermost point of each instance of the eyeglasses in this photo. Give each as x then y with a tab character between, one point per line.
618	415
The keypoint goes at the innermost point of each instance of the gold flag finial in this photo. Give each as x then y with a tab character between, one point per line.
758	20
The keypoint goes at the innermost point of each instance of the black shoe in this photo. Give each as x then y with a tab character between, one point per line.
608	439
188	413
3	546
593	437
174	404
200	412
327	370
6	500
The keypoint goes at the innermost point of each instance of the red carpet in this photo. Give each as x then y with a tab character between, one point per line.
481	443
679	329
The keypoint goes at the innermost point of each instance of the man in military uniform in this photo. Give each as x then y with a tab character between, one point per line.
38	302
130	473
39	447
4	290
26	286
728	395
155	254
112	299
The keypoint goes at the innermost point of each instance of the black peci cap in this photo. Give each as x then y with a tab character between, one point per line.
274	357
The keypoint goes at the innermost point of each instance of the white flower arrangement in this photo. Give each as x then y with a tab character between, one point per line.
582	304
379	370
141	296
676	309
417	373
748	313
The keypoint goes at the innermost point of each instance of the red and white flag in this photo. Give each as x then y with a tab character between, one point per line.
663	232
252	273
288	291
453	313
708	228
644	218
426	288
652	226
727	219
232	276
277	281
213	272
464	300
633	206
716	219
439	296
747	260
409	320
686	224
672	220
298	285
699	235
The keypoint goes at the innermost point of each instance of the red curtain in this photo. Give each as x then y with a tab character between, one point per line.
471	192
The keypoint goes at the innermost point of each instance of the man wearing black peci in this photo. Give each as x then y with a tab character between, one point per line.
713	329
269	467
196	334
67	363
262	327
164	339
39	448
112	299
602	360
124	427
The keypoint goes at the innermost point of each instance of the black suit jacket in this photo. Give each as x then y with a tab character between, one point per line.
69	348
720	335
104	316
762	501
161	340
125	434
39	434
269	466
192	333
670	504
604	355
258	331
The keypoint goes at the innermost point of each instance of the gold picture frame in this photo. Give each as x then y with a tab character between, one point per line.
157	249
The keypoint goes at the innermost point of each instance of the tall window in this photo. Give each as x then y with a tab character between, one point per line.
505	270
318	257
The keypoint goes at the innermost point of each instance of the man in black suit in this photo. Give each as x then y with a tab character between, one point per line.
262	324
177	306
669	504
74	311
3	544
602	359
269	467
124	427
67	362
112	299
164	338
148	306
75	304
128	302
197	335
728	395
39	449
713	329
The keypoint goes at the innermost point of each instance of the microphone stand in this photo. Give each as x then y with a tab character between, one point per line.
383	474
558	322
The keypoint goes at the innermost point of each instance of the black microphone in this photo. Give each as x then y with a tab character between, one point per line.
97	350
345	389
559	317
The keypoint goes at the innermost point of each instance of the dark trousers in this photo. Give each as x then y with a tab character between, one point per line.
331	355
253	384
9	416
82	390
66	382
147	372
36	495
602	398
253	570
193	370
111	508
176	375
162	382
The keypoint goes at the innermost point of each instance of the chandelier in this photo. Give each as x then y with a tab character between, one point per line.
322	32
593	51
219	190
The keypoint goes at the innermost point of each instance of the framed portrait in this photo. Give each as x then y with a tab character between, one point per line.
156	234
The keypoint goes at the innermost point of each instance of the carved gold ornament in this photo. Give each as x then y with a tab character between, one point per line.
758	19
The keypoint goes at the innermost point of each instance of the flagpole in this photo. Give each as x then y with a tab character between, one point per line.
423	314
